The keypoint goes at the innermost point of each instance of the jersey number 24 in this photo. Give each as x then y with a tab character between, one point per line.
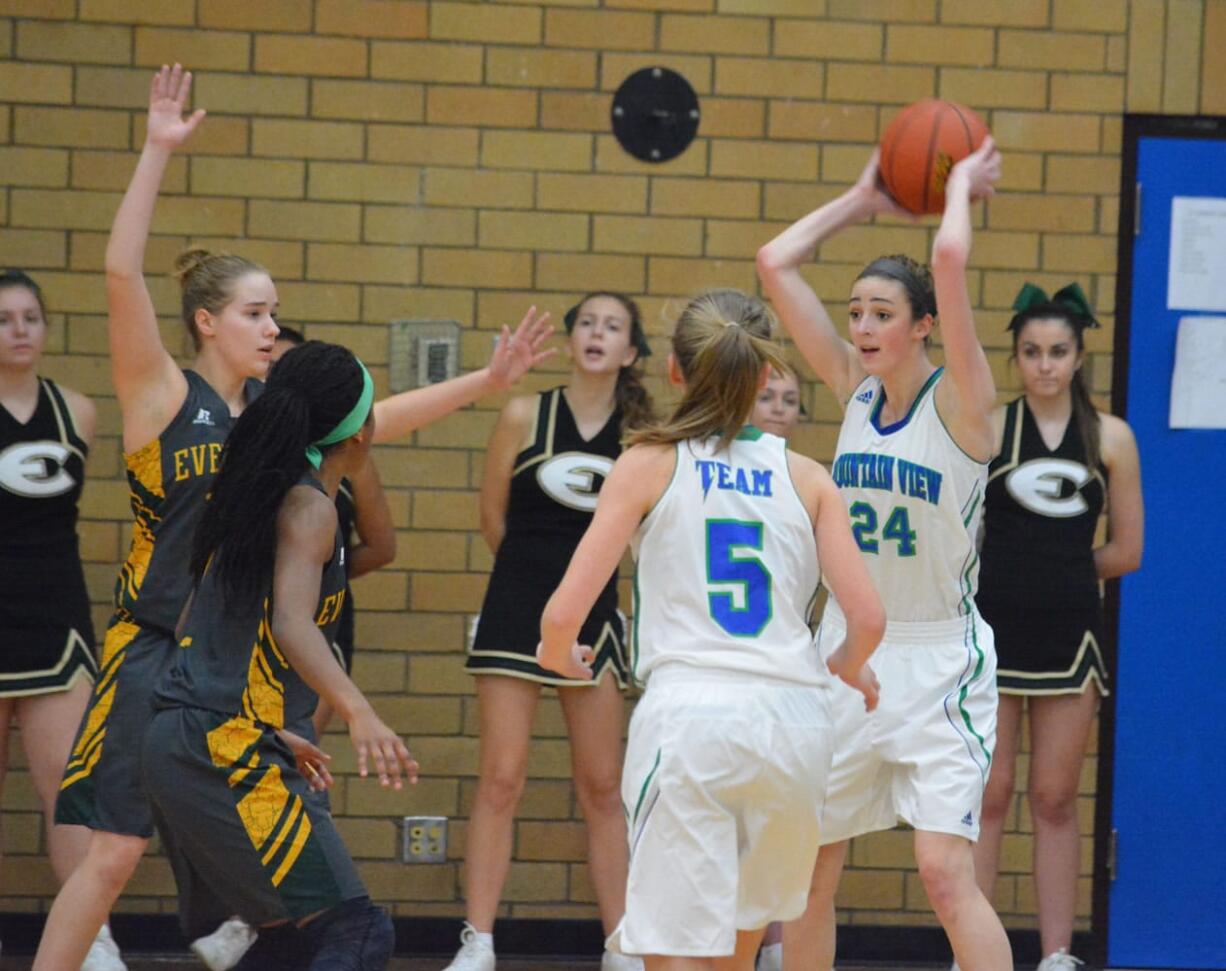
897	528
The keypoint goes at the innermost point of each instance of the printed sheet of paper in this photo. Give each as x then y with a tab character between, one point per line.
1198	386
1197	276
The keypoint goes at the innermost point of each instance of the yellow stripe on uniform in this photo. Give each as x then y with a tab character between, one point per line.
261	808
294	851
295	810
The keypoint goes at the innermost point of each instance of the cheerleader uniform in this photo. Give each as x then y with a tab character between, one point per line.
45	623
554	488
1038	585
244	832
168	479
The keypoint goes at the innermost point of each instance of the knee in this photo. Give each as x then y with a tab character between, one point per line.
599	795
1053	804
499	791
380	940
113	862
944	878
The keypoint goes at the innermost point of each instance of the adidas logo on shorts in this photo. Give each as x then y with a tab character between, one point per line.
865	396
968	820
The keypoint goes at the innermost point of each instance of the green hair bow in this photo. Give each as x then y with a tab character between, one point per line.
1072	298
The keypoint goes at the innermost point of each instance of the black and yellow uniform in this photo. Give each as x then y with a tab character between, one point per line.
45	626
1038	587
244	834
554	487
346	512
168	480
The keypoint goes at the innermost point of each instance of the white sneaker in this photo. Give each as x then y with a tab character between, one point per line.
770	958
226	946
1060	960
474	954
612	961
103	954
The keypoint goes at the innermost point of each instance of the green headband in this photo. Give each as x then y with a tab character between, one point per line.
1072	298
351	424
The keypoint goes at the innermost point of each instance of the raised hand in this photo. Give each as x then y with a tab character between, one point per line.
981	169
518	353
871	189
168	93
575	663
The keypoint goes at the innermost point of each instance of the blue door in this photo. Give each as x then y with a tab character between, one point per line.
1167	904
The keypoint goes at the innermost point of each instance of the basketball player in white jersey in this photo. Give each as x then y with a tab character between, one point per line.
911	464
729	749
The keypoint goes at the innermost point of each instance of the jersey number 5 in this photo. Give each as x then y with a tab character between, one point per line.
725	567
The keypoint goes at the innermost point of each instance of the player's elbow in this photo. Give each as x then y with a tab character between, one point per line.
382	550
769	261
949	253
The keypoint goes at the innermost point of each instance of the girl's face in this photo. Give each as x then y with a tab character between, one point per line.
23	331
778	408
1047	356
601	340
881	325
245	331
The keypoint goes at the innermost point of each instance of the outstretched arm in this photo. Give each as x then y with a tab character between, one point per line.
966	399
514	356
799	308
149	386
372	520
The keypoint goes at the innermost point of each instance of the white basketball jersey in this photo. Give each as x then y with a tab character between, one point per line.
915	500
727	565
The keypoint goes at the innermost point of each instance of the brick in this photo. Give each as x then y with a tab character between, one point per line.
1146	34
827	40
495	23
499	108
555	151
879	83
1109	16
776	76
306	139
363	182
984	88
1117	54
112	87
322	302
250	95
685	5
113	170
556	271
916	44
774	8
869	242
704	197
420	224
551	841
372	18
1035	132
328	221
714	34
1042	213
1181	76
611	157
732	118
842	163
282	259
738	238
765	159
199	214
42	167
525	68
1213	69
995	13
40	40
1051	49
48	9
600	29
1079	254
532	231
367	100
820	122
459	268
437	63
318	56
219	135
6	38
1007	250
592	193
582	111
892	849
284	15
220	50
473	187
248	177
175	12
678	277
901	11
869	888
35	83
615	67
368	343
59	209
32	249
1087	92
462	592
422	144
628	234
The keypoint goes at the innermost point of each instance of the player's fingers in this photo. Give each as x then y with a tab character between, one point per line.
391	759
380	763
543	356
361	750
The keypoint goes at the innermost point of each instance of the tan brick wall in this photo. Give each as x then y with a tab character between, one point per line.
396	158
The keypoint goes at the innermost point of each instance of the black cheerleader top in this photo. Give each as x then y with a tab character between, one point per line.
1040	515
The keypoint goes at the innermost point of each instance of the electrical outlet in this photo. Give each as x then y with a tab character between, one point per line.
424	839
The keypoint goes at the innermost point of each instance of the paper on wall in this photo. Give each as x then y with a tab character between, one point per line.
1196	279
1198	385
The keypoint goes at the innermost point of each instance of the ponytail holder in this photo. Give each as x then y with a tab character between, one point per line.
1071	297
732	323
348	426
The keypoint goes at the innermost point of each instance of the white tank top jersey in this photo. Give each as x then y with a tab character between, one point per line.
727	565
915	500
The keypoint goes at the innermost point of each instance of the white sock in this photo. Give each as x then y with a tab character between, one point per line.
486	939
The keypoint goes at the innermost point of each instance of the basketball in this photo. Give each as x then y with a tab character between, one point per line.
919	148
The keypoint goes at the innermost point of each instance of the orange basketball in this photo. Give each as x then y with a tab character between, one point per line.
919	148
